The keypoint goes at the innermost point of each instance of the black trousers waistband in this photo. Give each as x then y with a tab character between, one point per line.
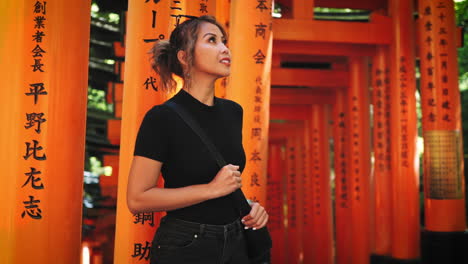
182	225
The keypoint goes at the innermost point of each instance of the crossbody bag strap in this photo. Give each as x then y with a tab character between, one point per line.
238	197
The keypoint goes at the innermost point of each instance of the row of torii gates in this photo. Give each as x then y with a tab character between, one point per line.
374	216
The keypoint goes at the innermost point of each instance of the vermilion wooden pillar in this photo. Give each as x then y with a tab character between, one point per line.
201	7
251	47
294	236
223	9
343	237
308	197
359	159
444	185
443	167
147	22
275	194
322	226
44	114
405	165
12	41
299	139
381	173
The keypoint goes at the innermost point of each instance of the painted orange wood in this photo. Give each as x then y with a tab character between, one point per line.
13	41
322	48
275	201
289	112
113	131
302	96
223	9
440	99
359	159
343	227
405	160
381	173
322	223
132	240
44	80
299	152
119	49
249	85
332	31
294	246
201	7
307	194
309	78
303	9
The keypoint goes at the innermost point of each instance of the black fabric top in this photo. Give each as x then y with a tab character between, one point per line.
165	137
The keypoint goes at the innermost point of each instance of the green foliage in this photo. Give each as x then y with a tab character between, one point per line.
461	13
107	16
97	100
337	10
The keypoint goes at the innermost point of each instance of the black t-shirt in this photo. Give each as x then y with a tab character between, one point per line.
165	137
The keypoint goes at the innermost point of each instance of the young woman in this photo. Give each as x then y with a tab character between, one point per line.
202	224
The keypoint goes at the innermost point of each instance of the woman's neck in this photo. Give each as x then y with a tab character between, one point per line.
202	90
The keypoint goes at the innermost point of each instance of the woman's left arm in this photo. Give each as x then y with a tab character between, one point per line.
257	218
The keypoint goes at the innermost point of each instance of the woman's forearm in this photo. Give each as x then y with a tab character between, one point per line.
166	199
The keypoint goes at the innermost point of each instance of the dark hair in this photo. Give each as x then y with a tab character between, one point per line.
164	59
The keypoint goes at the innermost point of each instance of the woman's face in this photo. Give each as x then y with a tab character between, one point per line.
211	56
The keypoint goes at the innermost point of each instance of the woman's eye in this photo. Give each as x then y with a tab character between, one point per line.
212	40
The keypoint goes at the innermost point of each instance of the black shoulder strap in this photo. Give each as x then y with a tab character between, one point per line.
238	197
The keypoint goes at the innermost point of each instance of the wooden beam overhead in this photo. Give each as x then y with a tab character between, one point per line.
361	4
289	112
352	4
303	9
322	48
332	31
300	96
309	78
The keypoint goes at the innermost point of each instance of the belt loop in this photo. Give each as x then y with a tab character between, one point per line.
202	229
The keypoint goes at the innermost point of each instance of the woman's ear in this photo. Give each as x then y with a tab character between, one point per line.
182	57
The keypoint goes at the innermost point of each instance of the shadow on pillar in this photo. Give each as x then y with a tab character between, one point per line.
444	247
376	259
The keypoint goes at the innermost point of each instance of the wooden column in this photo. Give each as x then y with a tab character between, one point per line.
341	128
275	193
444	183
308	196
294	236
223	10
251	47
359	162
322	238
405	165
300	141
443	153
381	173
201	7
303	9
12	41
147	22
46	95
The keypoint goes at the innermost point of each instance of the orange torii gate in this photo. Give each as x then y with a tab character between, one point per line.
375	165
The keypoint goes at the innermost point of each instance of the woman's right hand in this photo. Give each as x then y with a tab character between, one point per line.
226	181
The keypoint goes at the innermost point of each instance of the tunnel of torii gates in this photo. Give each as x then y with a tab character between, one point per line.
291	116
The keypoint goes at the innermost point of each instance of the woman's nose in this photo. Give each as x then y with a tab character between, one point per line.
225	49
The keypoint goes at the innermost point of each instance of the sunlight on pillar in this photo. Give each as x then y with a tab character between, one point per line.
85	255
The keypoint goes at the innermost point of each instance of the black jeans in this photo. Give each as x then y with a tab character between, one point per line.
182	242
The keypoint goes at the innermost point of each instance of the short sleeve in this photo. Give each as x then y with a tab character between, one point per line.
152	140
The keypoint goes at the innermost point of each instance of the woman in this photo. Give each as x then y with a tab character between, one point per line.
202	224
